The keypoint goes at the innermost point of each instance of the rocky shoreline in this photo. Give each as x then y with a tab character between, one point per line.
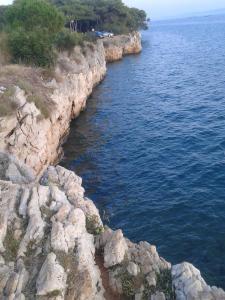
53	244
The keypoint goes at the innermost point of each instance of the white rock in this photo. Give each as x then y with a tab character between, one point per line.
36	225
52	277
190	285
133	269
115	249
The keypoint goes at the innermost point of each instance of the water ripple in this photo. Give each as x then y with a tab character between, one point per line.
151	144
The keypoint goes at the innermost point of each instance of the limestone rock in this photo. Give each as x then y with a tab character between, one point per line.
190	285
133	269
52	278
35	229
13	170
67	226
115	249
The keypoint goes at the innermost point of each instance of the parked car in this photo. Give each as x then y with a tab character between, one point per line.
99	34
107	34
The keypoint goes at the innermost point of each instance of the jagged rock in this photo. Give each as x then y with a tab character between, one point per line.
23	202
52	278
67	226
190	285
133	269
121	45
58	198
35	229
158	296
115	249
102	239
13	170
146	256
5	272
88	284
11	285
9	194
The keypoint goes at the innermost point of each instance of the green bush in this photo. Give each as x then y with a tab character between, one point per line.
67	40
32	28
32	48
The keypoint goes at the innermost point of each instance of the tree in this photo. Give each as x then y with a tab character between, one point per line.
2	16
102	14
32	28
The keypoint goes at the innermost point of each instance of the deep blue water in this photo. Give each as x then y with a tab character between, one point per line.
151	144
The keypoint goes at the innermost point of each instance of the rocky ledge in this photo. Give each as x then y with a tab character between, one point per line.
53	245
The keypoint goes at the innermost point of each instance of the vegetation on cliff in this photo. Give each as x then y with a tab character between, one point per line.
111	15
31	31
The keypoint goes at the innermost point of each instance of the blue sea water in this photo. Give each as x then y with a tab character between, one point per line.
151	144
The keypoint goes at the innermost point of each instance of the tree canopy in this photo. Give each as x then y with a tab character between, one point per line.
32	26
2	15
102	15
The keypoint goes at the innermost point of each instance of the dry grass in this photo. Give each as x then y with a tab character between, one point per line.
7	105
31	81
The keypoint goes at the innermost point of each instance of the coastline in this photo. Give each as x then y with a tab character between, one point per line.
57	211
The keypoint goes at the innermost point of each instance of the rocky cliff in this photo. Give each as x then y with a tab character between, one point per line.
45	106
53	244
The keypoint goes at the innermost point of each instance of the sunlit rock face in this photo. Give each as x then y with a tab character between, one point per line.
122	45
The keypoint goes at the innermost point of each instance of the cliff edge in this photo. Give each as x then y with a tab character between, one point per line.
53	243
43	103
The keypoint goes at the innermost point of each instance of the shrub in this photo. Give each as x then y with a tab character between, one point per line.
67	40
35	14
32	48
92	225
32	27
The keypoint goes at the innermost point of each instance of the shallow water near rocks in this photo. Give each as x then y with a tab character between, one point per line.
150	146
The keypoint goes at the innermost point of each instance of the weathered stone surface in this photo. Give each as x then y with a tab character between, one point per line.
67	226
122	45
52	278
115	249
13	170
36	226
133	269
190	285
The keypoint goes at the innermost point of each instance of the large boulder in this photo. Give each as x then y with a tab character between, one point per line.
190	285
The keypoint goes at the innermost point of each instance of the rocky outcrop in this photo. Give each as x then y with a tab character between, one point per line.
51	235
122	45
53	245
35	132
189	284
